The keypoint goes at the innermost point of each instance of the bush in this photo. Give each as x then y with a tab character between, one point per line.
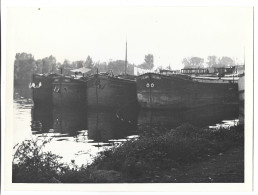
185	144
32	165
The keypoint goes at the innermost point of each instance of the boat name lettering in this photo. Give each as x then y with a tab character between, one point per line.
150	85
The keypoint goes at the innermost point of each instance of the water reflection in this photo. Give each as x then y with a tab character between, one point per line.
41	120
69	121
23	92
97	126
109	126
199	117
105	127
81	133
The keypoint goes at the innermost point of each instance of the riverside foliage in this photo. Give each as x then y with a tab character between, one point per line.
137	160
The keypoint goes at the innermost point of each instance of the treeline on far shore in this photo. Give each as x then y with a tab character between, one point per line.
25	65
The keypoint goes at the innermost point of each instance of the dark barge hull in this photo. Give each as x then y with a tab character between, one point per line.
69	92
156	91
42	91
110	92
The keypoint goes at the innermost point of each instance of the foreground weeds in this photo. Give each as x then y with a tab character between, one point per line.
171	150
136	160
32	165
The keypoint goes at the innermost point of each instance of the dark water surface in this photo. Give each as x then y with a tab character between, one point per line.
80	134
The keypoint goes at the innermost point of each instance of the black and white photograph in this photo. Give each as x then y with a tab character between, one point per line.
128	95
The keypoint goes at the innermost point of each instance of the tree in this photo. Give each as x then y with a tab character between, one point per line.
186	62
67	64
89	62
79	64
49	64
193	62
226	61
24	66
212	61
102	66
39	66
118	67
58	66
148	62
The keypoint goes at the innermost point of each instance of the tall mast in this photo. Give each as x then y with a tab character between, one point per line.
126	56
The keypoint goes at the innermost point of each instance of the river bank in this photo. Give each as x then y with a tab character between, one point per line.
181	155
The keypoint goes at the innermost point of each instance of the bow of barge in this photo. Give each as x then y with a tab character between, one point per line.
108	91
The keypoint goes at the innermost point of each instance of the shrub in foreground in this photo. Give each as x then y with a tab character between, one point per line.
183	145
32	165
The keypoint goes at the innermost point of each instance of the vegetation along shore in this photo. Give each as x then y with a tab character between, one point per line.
185	154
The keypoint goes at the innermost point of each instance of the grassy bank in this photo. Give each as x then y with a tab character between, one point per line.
184	154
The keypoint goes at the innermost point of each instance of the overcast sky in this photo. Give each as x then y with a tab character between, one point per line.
169	33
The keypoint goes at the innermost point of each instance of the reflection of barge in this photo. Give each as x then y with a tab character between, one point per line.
69	92
105	90
207	115
160	91
107	125
69	121
42	89
41	119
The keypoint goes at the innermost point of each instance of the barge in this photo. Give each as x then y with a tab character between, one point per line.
69	92
107	91
182	91
41	86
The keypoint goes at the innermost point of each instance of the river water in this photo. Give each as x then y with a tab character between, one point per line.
79	135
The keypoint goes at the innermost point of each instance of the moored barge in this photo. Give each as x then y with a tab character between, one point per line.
69	92
107	91
158	91
41	86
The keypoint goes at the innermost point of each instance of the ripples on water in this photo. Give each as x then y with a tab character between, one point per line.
80	134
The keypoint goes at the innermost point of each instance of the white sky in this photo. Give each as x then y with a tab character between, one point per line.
169	33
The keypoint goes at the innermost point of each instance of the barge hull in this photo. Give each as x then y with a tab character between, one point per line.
110	92
69	92
166	92
42	90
